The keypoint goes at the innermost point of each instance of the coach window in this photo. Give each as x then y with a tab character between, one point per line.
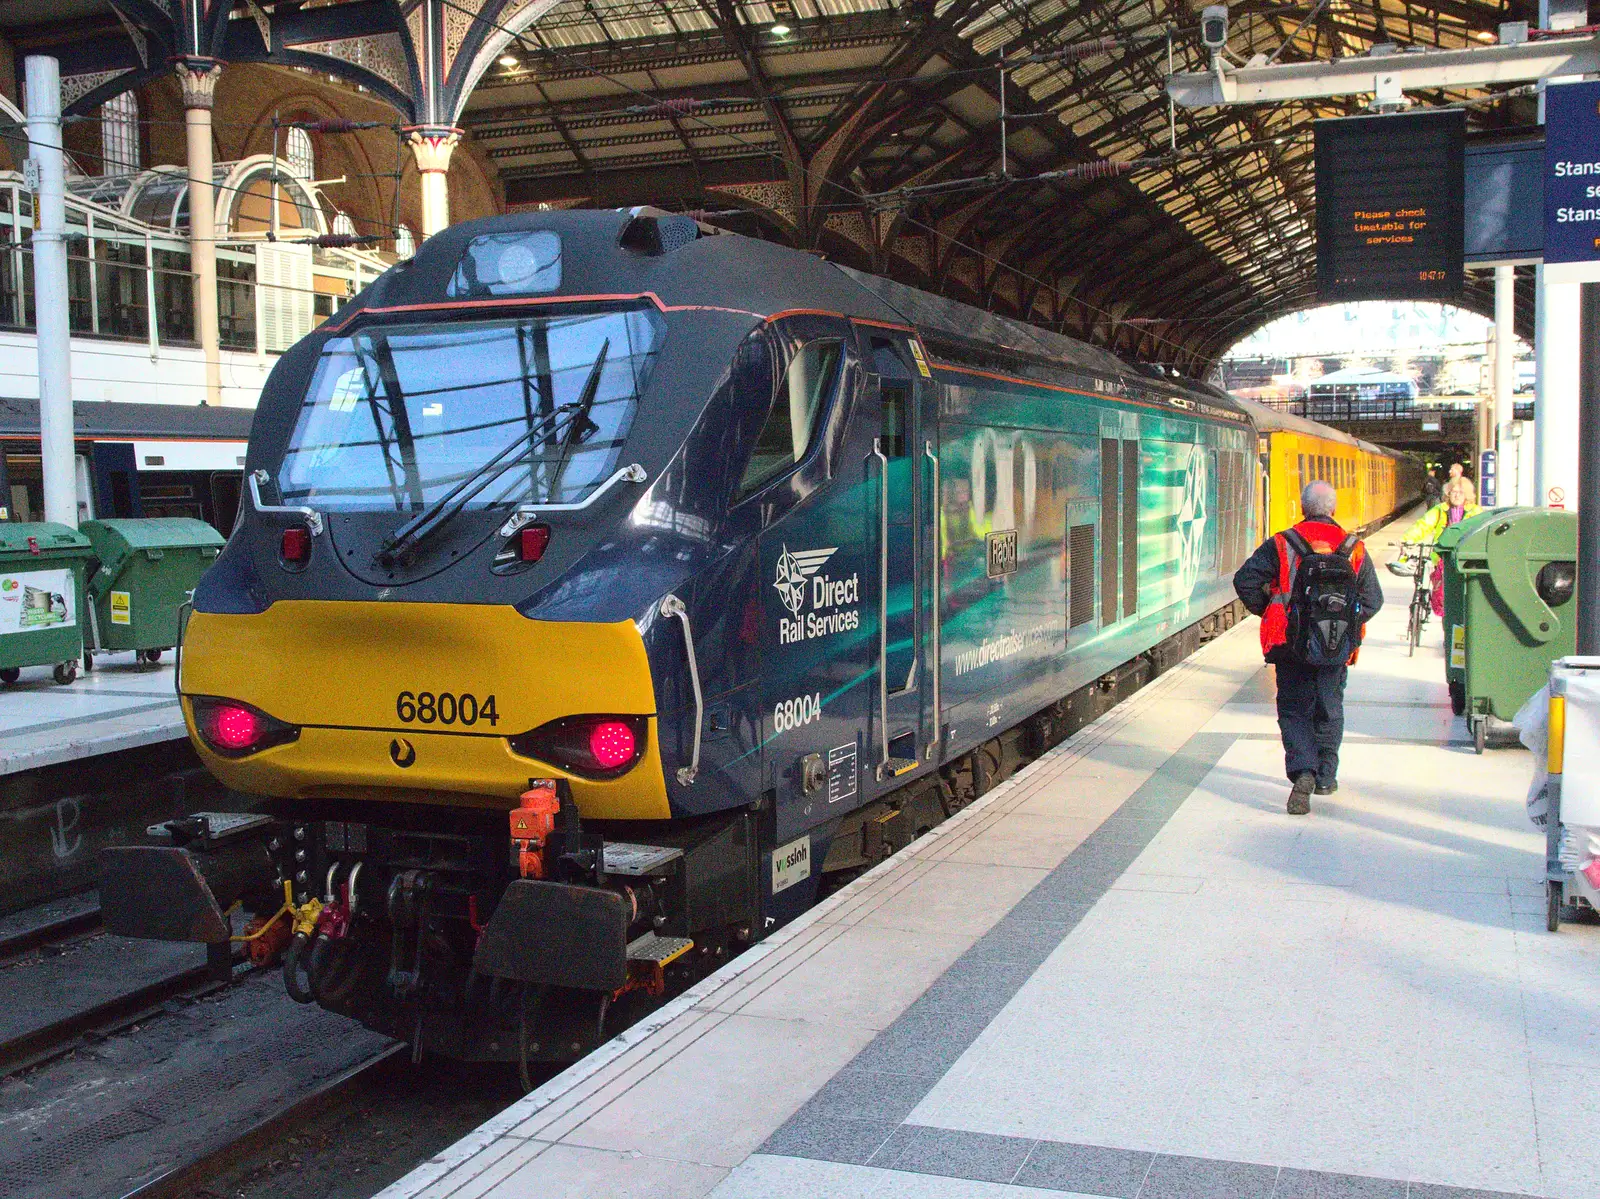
797	403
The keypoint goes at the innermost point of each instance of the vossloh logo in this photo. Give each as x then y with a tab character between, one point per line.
791	864
818	604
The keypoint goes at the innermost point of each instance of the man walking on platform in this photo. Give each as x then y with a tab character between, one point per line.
1314	588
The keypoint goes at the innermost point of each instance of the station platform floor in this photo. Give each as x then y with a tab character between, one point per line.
119	705
1127	972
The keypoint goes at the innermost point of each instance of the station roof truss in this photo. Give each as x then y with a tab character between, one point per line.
866	130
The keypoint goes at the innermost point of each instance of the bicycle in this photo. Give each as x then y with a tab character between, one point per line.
1413	563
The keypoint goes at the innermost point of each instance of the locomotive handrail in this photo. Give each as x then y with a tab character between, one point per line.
938	662
311	516
883	605
177	650
523	513
673	606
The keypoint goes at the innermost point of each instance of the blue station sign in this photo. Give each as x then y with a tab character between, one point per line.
1572	173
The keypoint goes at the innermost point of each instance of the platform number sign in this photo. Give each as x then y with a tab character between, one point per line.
1572	177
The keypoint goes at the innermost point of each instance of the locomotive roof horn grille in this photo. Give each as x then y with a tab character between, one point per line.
655	231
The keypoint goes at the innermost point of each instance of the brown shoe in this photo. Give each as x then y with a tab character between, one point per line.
1300	794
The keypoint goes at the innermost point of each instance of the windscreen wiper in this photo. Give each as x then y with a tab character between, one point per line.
576	425
581	428
445	508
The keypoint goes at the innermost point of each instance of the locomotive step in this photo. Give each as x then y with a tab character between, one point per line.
663	951
632	860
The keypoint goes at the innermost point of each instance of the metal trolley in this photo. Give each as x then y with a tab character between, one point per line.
1575	699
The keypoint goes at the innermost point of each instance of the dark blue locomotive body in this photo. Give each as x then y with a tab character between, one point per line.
753	562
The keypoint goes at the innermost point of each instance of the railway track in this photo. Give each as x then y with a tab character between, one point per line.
131	1069
174	1082
54	921
67	979
266	1137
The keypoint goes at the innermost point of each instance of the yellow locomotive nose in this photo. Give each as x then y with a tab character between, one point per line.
449	703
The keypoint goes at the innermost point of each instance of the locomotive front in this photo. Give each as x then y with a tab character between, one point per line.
426	653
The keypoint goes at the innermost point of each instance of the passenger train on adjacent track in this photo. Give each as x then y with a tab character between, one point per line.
603	586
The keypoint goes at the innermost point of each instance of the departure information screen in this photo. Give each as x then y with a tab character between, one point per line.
1389	206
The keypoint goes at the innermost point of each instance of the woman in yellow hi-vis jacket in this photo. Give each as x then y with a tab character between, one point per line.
1460	502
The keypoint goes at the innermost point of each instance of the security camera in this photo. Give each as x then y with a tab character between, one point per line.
1214	27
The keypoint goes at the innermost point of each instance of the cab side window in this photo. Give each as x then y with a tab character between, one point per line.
797	404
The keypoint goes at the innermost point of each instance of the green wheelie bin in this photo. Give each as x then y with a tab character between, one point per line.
1518	576
41	598
1455	632
146	570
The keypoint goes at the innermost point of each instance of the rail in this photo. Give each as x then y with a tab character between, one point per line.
672	606
883	605
1335	409
311	516
523	513
935	659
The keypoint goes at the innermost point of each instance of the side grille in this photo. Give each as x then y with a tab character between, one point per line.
1080	575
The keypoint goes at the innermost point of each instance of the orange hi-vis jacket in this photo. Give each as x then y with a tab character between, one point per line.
1322	536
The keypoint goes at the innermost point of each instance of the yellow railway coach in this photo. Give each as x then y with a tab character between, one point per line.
1373	483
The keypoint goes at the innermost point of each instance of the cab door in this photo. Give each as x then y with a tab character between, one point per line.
899	471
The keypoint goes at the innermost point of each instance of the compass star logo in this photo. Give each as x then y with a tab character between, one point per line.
1192	520
793	571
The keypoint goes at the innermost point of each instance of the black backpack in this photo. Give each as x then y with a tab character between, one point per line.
1324	603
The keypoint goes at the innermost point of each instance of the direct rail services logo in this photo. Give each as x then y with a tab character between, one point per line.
818	604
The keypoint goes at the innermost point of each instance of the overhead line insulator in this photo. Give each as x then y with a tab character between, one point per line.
340	241
1076	52
334	125
680	107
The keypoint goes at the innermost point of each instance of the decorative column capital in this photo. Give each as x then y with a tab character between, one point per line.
432	145
198	78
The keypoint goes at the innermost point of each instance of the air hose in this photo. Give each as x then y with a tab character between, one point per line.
300	993
333	970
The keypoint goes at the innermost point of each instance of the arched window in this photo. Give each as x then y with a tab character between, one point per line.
343	225
298	155
119	135
404	244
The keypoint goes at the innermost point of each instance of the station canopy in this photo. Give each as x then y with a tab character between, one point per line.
867	131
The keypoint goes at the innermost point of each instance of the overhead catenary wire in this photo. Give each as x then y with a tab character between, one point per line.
805	168
1105	168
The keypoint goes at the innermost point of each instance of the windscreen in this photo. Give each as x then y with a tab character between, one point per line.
396	416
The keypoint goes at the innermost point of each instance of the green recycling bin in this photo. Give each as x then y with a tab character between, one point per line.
1518	575
41	598
1455	632
146	569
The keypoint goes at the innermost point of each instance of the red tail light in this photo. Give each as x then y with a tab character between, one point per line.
295	547
612	744
596	747
233	729
532	542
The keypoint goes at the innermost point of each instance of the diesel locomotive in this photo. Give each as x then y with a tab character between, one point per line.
604	582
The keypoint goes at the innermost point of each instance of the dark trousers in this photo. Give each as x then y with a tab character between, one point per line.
1311	718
